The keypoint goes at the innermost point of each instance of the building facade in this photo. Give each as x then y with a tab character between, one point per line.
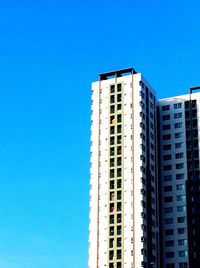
144	176
180	182
123	185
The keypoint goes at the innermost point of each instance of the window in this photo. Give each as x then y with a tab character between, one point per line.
183	253
119	265
166	137
119	206
170	265
177	105
119	183
112	162
119	139
166	127
119	97
119	242
119	172
166	117
181	208
112	219
169	220
119	118
167	167
119	150
119	230
111	230
168	199
169	232
111	242
119	218
168	188
180	197
169	243
119	107
112	140
179	155
119	87
119	195
177	115
112	151
119	254
178	145
181	219
178	135
112	109
180	186
182	242
119	129
166	147
183	265
165	108
119	161
180	176
112	185
181	230
169	254
112	130
112	89
112	99
111	254
167	157
168	210
112	173
179	165
178	125
167	177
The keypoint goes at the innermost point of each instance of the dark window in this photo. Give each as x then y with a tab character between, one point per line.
169	254
112	219
119	172
112	185
167	167
119	107
177	105
119	195
112	99
119	97
166	117
168	199
112	89
178	115
165	108
119	87
167	157
169	243
167	147
119	118
168	188
112	109
169	232
112	130
166	127
180	176
112	151
119	183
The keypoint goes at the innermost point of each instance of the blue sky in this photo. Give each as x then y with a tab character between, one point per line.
50	52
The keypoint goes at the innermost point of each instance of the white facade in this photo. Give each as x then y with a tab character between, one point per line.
123	189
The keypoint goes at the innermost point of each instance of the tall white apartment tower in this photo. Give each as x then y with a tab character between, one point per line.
123	184
179	132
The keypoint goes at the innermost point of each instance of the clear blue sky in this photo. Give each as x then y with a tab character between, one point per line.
50	51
